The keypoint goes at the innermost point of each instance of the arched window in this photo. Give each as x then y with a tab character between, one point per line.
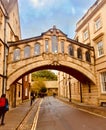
62	46
79	53
71	50
16	54
54	44
27	51
88	57
37	49
46	45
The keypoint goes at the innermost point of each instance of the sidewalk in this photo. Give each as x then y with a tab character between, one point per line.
100	111
16	116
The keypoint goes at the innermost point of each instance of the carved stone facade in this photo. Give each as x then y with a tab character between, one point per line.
39	58
83	58
91	30
9	31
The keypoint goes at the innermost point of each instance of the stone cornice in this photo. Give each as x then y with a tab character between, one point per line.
24	41
80	44
100	35
85	20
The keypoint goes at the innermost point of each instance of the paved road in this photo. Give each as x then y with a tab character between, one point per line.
56	115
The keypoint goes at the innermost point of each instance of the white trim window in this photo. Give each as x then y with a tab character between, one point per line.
85	34
100	48
103	82
97	24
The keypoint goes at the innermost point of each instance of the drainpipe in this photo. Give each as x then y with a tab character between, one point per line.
5	57
69	89
80	93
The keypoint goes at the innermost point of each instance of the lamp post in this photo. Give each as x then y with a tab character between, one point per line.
69	89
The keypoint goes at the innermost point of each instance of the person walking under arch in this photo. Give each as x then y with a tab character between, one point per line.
3	107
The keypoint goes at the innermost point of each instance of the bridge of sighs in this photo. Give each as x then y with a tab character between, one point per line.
51	50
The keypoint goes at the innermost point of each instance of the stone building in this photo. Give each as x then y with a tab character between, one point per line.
9	31
52	87
91	30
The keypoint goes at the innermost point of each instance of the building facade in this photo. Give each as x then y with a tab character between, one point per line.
52	87
91	30
9	31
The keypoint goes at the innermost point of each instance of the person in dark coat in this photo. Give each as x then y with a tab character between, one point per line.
3	109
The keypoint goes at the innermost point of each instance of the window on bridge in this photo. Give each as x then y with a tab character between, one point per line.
62	46
27	52
88	57
54	44
16	54
46	45
37	49
71	50
79	53
103	82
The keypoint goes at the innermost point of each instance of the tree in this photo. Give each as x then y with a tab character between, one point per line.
43	89
44	75
39	87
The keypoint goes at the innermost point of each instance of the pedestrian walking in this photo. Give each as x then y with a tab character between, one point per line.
32	98
4	107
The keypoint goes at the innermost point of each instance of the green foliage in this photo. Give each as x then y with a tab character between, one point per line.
38	87
44	75
43	89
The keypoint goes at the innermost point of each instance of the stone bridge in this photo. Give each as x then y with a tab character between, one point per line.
51	50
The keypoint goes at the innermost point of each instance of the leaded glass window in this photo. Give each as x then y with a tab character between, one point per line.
37	49
46	45
79	53
16	54
54	44
88	57
27	52
62	46
71	50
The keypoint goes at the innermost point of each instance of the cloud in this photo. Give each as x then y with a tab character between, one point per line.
38	16
39	4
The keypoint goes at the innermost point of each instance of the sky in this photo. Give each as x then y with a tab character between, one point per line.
38	16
